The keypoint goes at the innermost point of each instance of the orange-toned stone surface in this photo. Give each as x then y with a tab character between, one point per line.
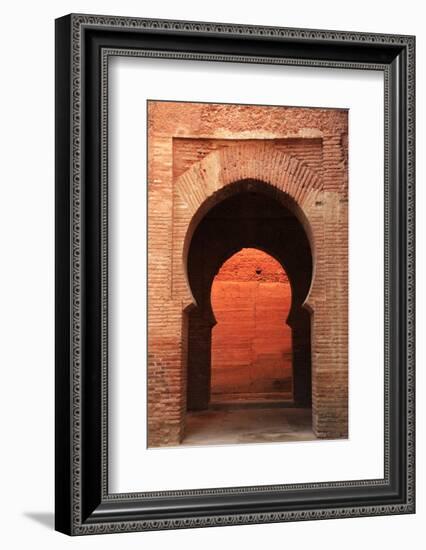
251	342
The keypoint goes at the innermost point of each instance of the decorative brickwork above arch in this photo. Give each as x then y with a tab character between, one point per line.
251	161
229	170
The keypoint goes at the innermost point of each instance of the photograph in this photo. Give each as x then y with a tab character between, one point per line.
234	255
210	308
247	273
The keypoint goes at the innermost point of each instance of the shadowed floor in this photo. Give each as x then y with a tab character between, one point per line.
248	424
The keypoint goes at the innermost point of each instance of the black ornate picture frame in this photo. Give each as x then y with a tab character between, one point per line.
84	44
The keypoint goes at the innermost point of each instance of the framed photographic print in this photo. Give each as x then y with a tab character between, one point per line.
234	274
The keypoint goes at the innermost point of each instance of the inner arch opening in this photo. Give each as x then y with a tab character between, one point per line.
251	215
251	353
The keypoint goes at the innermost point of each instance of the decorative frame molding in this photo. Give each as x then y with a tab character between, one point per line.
84	44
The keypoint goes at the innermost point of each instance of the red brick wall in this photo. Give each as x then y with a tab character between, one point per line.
198	154
186	151
251	342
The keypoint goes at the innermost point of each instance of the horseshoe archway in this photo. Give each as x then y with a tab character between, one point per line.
230	173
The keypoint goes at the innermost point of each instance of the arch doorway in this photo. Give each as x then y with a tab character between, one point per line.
205	163
248	341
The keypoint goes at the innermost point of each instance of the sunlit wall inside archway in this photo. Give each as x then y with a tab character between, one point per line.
251	342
